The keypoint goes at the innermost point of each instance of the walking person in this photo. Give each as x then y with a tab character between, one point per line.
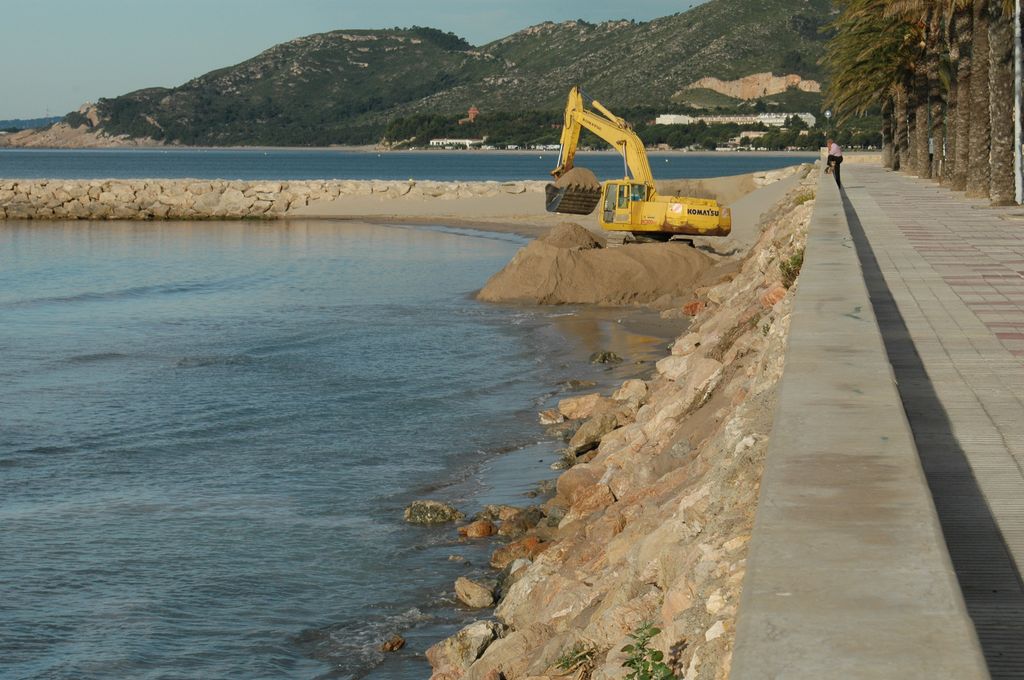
835	160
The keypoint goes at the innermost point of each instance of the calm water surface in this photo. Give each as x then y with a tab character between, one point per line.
208	433
251	164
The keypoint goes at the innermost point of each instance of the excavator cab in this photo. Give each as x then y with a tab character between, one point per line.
620	199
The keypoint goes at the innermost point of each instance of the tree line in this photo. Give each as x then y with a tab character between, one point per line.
942	74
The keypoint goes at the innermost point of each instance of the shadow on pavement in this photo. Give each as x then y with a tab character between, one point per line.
988	578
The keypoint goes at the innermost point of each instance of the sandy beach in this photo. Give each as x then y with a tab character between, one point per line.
748	195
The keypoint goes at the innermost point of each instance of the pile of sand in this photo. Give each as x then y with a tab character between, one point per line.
573	236
569	265
579	177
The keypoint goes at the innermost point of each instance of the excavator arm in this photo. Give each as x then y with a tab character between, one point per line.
609	127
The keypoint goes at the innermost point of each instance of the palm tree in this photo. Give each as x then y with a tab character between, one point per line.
924	19
1002	185
937	71
902	136
978	171
887	133
942	72
870	59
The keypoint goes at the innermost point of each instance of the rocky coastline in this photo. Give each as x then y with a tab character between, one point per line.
649	524
192	199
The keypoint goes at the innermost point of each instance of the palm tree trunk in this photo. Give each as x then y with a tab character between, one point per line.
902	114
913	159
937	135
978	169
962	39
948	169
887	145
1002	187
936	103
922	160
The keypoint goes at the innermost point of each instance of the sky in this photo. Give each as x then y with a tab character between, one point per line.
57	54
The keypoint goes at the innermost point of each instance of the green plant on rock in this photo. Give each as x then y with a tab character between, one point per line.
645	663
803	198
790	268
580	658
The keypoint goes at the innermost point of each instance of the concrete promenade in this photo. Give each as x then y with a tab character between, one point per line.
848	574
946	277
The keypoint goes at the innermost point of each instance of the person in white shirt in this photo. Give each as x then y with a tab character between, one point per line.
835	160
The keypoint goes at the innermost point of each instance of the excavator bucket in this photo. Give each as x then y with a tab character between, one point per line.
577	192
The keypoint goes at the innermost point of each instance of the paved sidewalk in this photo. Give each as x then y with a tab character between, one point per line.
946	279
848	575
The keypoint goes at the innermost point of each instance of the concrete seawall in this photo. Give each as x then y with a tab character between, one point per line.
848	574
192	199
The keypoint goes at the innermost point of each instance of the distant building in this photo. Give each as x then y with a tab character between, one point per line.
446	143
673	119
749	134
769	119
470	116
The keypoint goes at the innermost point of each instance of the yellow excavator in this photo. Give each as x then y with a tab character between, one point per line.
631	204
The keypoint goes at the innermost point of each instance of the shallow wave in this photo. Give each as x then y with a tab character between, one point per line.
228	360
93	358
174	288
353	648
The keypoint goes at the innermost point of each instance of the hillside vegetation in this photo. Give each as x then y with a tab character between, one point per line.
346	86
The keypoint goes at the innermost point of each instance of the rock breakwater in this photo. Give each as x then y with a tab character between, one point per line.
651	526
190	199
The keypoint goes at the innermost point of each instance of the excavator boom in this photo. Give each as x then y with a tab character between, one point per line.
609	127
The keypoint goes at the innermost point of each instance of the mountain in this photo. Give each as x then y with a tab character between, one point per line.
344	86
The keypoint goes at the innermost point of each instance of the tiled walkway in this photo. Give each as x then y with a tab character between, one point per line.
946	277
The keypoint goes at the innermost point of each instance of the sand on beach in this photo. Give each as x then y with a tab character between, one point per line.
524	213
568	265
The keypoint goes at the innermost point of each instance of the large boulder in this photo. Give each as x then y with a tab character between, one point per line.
431	512
584	406
475	594
527	548
590	433
521	522
451	657
576	480
480	528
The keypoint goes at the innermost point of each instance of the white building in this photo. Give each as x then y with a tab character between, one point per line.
769	119
445	143
674	119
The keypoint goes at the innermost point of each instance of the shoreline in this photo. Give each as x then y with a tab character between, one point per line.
512	206
698	427
517	637
520	475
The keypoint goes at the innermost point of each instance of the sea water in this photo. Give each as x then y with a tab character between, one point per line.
209	431
285	164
